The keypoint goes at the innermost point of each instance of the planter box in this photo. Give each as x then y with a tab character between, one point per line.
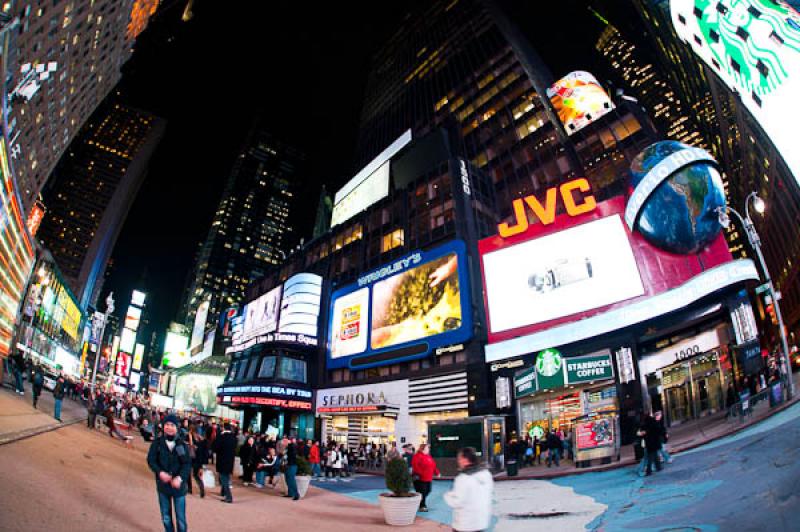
400	511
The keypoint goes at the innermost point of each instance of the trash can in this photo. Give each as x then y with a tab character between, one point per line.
511	468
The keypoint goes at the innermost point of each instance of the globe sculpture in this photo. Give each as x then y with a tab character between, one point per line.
677	190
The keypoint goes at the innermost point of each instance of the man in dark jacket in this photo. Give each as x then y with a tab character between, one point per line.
225	449
19	367
38	382
554	448
291	469
58	395
653	436
169	460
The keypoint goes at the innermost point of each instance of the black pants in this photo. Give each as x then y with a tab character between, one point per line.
423	488
247	475
90	421
652	458
196	469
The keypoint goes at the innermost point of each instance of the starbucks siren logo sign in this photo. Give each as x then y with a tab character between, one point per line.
548	362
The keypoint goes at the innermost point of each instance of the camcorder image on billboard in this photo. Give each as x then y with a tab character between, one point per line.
571	271
579	100
420	302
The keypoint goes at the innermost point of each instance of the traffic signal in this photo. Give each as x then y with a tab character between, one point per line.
771	313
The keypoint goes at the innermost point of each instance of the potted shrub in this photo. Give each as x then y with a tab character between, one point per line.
303	476
400	506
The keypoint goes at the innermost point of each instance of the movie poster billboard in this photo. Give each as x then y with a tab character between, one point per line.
195	391
421	300
261	314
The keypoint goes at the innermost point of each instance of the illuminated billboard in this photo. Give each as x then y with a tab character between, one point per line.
579	100
196	391
132	318
370	184
407	308
138	357
300	304
578	269
176	350
261	314
127	340
754	47
122	367
199	324
137	298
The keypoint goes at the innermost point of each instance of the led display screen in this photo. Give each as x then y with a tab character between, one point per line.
176	350
127	340
579	100
138	357
300	304
754	47
137	298
419	302
122	367
199	324
261	314
198	392
132	318
560	274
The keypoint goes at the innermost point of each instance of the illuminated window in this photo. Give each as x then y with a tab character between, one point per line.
393	240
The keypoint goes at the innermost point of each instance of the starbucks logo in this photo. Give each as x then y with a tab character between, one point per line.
548	362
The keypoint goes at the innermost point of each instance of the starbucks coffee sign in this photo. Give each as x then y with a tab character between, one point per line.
552	370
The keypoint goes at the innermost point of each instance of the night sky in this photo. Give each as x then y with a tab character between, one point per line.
303	68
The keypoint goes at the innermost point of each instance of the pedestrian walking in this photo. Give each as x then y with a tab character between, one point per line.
662	452
652	444
169	460
19	367
423	468
314	460
58	395
225	449
554	445
199	455
38	382
471	496
245	458
291	470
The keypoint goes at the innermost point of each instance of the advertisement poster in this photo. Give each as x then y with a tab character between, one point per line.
593	434
300	304
123	364
197	392
579	100
132	318
261	315
199	324
350	324
419	302
572	271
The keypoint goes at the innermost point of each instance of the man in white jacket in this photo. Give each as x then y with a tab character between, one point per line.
471	496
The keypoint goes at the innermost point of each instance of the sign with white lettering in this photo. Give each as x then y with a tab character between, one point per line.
589	368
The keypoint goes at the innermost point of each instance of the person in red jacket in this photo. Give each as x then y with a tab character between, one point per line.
423	468
313	458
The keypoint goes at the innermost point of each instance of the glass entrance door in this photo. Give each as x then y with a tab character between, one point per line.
709	394
677	400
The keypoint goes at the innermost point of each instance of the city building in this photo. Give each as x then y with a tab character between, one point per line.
86	42
92	189
749	157
253	226
645	81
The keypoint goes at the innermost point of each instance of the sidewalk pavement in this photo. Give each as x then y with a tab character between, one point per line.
682	438
18	418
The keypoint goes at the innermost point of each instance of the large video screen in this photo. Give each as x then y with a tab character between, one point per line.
261	315
300	304
195	391
754	47
199	328
420	300
564	273
176	350
579	100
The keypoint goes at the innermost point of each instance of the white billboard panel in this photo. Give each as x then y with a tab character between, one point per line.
261	315
132	318
199	324
564	273
368	186
127	340
300	304
754	47
176	350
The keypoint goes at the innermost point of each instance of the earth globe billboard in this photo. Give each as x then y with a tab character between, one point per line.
677	194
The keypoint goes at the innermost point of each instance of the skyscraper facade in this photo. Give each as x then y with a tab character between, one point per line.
749	159
464	66
252	227
92	189
88	41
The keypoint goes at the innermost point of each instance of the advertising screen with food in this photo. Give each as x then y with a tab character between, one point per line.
419	302
579	100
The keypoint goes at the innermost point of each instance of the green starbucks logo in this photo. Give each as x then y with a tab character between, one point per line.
548	362
536	432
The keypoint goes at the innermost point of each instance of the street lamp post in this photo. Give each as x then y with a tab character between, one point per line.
109	310
755	243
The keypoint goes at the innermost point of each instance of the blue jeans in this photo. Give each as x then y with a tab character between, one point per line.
315	470
642	465
225	481
165	503
553	456
18	378
665	457
291	481
261	475
58	409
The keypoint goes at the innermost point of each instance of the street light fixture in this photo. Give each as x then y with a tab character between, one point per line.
109	310
755	242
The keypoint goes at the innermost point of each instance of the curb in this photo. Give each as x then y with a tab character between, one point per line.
30	433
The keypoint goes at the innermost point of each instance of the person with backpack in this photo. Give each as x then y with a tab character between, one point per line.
168	458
